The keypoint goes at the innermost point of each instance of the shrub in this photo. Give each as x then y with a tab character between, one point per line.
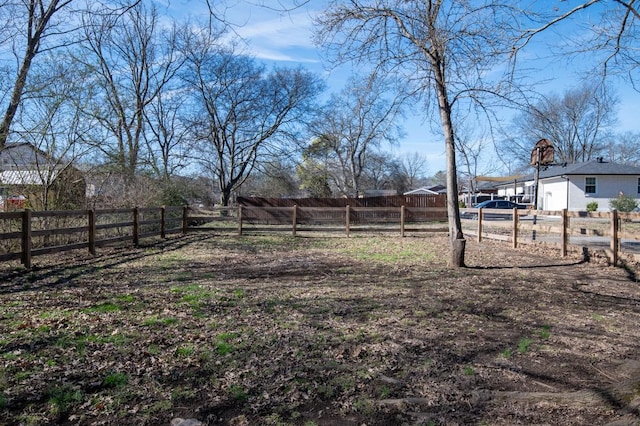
623	203
592	206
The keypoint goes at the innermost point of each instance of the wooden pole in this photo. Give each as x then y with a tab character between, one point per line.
615	223
294	219
91	217
185	220
515	227
239	220
480	214
163	222
26	238
347	218
564	238
136	226
402	221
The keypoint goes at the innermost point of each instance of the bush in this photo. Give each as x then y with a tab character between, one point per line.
592	206
623	203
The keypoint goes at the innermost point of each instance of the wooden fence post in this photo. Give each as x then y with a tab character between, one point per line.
564	238
480	225
185	220
239	220
294	219
91	218
26	238
402	221
163	222
515	228
136	226
347	218
614	236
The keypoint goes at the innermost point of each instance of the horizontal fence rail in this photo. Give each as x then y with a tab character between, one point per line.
613	232
26	234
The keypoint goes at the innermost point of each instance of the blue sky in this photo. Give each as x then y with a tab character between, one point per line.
286	39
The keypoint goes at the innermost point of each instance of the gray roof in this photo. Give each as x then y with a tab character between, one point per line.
590	168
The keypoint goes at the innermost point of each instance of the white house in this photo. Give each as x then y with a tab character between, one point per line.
573	186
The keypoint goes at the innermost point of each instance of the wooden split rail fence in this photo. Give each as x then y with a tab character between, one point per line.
25	234
614	232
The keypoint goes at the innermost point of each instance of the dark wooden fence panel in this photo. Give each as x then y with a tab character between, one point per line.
420	208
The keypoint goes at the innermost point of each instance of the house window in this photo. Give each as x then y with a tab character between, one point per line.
638	185
590	185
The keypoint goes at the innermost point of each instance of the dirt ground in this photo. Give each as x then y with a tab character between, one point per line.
274	330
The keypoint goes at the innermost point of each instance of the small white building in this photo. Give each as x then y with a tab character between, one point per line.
573	186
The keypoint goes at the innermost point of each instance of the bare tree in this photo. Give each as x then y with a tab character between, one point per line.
167	135
353	125
243	113
624	148
54	128
440	48
132	65
576	123
31	27
415	167
608	33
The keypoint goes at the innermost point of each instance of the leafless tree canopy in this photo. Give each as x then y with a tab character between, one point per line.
353	125
578	123
446	51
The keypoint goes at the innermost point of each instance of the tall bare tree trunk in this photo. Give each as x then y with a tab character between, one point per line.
456	236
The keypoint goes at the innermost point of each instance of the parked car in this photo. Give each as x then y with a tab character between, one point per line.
493	204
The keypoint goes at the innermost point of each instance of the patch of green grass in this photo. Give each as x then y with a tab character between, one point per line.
545	332
385	392
115	380
238	393
507	353
469	370
597	317
155	321
184	351
524	344
153	349
193	295
10	356
62	398
223	345
105	307
3	401
128	298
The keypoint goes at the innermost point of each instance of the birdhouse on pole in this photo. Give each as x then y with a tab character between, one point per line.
541	155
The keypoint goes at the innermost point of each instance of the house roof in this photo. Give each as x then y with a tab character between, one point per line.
433	190
590	168
27	177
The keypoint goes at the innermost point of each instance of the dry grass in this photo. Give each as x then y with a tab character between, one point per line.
333	330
